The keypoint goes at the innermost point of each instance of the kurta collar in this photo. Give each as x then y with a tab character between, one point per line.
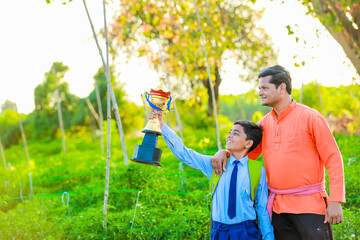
284	112
242	160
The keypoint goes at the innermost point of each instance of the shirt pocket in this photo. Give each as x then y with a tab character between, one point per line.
292	144
245	197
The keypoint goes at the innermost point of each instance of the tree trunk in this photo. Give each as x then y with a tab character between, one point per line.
60	113
209	78
31	192
3	154
105	66
320	98
100	118
119	124
170	89
92	109
349	36
216	86
23	138
106	193
145	110
110	93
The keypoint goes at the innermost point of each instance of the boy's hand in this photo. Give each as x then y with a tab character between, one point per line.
156	114
219	161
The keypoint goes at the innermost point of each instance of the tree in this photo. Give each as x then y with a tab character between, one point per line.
342	20
46	115
58	101
229	27
132	112
9	128
8	105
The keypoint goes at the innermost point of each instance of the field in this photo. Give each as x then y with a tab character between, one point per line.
145	202
205	50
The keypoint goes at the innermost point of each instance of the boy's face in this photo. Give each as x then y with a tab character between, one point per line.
236	139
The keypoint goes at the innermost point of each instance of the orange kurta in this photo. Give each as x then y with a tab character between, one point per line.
297	147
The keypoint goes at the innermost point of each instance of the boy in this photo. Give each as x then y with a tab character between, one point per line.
233	212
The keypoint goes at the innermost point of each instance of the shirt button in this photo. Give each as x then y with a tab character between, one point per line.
277	135
277	123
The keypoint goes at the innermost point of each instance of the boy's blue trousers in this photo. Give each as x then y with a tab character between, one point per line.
244	230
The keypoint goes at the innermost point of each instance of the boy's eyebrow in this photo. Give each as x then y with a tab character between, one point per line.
235	130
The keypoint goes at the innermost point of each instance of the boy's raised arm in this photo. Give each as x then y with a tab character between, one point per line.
184	154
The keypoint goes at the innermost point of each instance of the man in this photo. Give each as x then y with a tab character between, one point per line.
297	146
233	211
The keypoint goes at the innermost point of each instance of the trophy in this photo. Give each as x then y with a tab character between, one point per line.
147	152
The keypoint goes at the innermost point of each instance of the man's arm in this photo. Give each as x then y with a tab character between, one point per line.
255	153
331	156
219	161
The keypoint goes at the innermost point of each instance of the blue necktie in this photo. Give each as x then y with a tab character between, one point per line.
232	192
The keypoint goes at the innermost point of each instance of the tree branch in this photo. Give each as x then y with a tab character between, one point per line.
92	109
113	99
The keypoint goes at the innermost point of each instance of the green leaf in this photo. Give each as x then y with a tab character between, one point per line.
290	32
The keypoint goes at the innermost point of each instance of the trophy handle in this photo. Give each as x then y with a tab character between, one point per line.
152	105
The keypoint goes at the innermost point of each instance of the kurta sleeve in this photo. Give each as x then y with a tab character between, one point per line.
331	157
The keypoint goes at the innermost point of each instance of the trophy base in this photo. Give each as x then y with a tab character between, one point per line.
151	132
148	163
147	155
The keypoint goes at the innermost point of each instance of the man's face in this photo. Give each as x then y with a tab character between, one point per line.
268	93
236	139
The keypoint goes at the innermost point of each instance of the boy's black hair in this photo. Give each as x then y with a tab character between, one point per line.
253	132
279	75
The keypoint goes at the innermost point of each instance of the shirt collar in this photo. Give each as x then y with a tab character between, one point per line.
284	112
242	160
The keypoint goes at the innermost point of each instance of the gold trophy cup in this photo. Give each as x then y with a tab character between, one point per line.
159	99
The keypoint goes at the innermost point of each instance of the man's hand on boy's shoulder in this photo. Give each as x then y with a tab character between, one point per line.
219	161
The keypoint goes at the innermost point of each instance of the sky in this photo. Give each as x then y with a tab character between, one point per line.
35	34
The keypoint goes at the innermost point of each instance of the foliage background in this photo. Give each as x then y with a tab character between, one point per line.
146	202
170	203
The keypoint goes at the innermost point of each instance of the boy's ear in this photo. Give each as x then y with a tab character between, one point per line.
249	143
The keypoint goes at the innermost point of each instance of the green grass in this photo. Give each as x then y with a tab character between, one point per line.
173	204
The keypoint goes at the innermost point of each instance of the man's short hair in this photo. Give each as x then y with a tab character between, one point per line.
253	132
279	75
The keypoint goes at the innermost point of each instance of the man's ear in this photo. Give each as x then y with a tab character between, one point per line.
249	143
283	87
